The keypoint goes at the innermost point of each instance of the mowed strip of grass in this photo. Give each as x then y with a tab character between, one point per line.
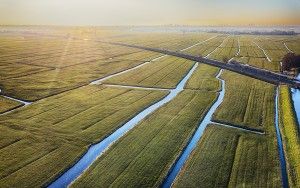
227	157
248	48
143	157
11	70
206	47
163	73
51	135
246	101
7	104
226	51
290	136
203	78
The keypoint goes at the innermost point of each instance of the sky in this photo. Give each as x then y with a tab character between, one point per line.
149	12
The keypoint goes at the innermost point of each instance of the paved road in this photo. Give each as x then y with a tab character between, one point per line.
261	74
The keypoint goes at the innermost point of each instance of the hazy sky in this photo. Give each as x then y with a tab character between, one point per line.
149	12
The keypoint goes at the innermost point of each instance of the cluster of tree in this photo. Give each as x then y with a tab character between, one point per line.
290	61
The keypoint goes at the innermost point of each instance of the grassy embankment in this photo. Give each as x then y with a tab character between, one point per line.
50	135
290	136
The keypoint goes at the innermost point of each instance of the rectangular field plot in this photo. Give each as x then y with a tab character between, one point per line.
249	48
226	157
248	102
207	47
143	157
163	73
260	63
204	79
275	50
7	104
227	50
49	135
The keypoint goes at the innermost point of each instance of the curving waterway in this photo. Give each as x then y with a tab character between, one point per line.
98	149
196	137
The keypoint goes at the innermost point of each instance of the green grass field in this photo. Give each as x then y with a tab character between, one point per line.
290	136
39	141
246	102
227	157
249	49
66	124
204	79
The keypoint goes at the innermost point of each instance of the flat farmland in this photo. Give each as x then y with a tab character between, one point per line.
31	79
204	79
254	98
250	49
70	97
207	47
227	157
234	156
274	49
40	133
163	73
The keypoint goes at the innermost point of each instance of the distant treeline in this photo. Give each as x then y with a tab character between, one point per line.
290	61
275	32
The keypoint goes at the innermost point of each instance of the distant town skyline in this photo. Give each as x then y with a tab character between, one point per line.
149	12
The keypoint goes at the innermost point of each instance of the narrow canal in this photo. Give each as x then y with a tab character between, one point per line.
296	101
98	149
196	137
